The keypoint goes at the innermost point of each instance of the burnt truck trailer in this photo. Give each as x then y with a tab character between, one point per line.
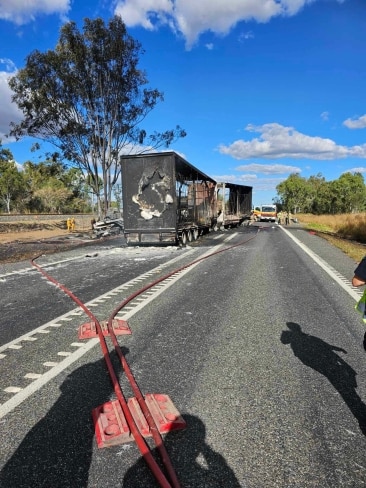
165	199
234	204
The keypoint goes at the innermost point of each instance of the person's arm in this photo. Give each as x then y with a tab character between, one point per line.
359	277
356	281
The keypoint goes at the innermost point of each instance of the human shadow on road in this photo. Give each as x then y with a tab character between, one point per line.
195	463
322	357
57	451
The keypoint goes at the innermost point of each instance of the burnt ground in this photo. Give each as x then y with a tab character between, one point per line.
23	250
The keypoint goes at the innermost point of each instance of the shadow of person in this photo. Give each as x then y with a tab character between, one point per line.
196	464
57	451
321	356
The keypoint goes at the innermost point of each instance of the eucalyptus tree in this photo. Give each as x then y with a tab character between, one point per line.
11	181
349	193
88	98
293	192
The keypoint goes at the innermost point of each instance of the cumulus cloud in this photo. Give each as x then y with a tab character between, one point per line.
277	141
9	111
360	169
267	184
239	179
258	184
23	11
191	17
356	123
269	169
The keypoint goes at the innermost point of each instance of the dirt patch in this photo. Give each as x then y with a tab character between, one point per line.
21	241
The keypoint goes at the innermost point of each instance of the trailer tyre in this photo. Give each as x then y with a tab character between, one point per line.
189	235
195	234
183	238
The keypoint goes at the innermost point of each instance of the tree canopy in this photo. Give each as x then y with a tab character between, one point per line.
88	98
347	194
48	186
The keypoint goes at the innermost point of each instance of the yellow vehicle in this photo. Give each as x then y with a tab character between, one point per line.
267	213
256	212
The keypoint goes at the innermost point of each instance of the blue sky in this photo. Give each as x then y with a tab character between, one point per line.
264	88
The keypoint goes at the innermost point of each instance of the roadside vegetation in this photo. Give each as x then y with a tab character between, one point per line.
345	231
88	99
336	209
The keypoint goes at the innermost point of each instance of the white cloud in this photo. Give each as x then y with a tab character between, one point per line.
269	169
356	123
324	115
267	184
258	184
360	169
277	141
245	36
239	179
147	13
191	17
23	11
9	111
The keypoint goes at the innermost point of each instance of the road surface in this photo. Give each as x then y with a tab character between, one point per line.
258	345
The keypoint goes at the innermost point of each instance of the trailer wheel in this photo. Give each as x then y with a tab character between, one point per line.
195	234
183	238
189	235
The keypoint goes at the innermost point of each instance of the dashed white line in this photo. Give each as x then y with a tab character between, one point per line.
12	389
57	367
32	376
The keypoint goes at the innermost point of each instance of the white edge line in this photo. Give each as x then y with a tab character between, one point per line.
356	296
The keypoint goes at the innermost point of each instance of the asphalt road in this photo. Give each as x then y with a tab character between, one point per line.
258	346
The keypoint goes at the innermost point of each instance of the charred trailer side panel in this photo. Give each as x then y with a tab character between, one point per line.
234	204
165	199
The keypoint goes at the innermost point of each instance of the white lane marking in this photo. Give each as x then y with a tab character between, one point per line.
52	264
337	277
32	376
12	389
57	368
161	287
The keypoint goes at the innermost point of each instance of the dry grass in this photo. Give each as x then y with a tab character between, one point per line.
346	231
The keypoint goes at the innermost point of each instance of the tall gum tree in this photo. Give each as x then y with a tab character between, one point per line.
88	98
11	181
